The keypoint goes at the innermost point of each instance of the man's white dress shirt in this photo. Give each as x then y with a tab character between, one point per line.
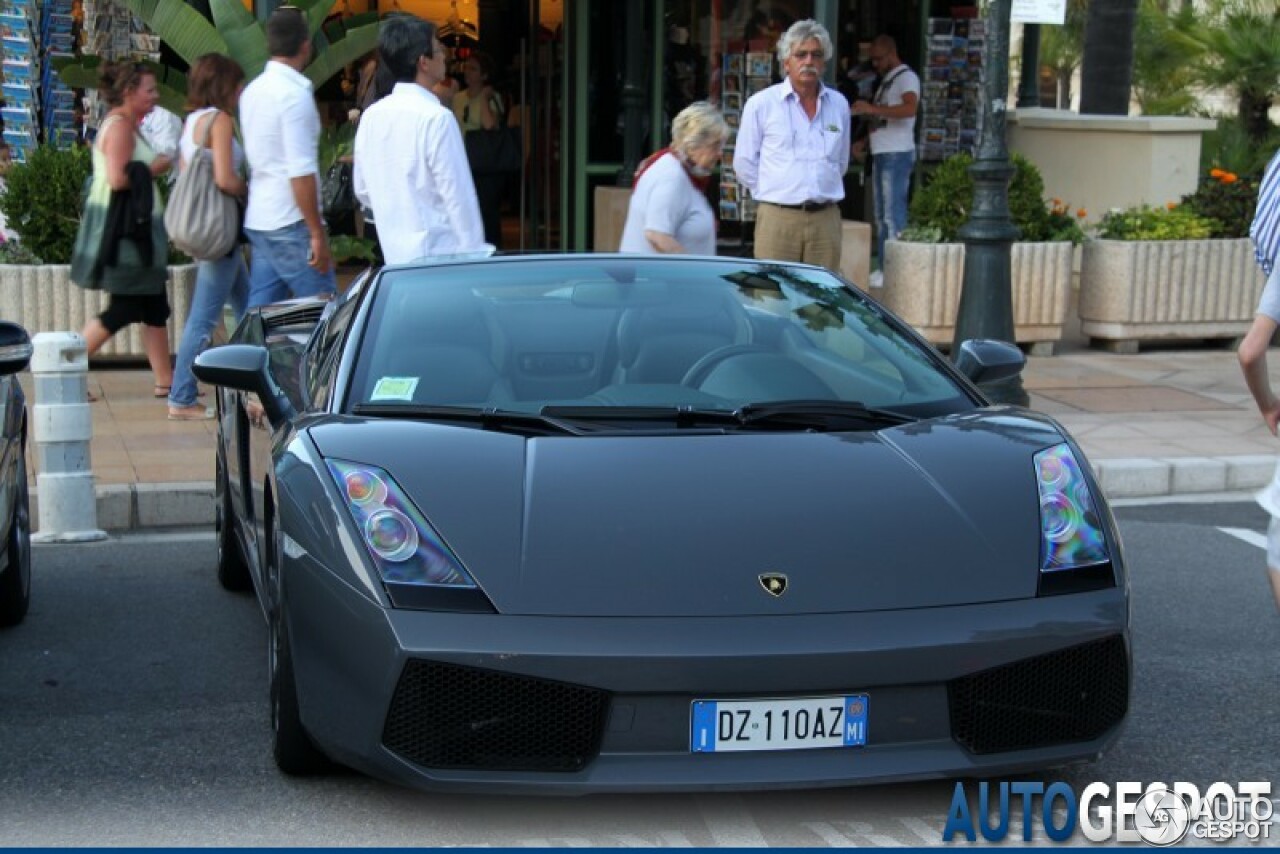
281	127
161	129
783	156
411	170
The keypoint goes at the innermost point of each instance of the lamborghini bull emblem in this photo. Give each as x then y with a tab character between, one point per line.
774	583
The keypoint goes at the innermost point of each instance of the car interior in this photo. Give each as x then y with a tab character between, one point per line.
632	343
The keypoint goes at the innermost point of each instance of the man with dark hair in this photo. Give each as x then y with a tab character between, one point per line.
281	129
410	163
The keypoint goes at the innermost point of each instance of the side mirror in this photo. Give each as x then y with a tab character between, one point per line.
15	348
985	360
245	367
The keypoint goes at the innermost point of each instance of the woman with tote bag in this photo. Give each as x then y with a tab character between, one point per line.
213	93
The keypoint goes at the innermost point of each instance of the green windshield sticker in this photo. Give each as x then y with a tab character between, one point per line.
394	388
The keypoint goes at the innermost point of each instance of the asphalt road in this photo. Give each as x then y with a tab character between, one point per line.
133	712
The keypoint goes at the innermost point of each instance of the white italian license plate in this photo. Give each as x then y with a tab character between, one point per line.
791	724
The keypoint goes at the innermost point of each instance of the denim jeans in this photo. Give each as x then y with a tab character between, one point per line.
217	283
891	179
279	268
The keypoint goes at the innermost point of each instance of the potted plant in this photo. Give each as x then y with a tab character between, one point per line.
1182	271
42	202
924	267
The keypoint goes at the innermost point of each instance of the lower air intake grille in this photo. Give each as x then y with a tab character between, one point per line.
1072	695
447	716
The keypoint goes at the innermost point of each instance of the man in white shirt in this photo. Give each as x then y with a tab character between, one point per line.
892	110
410	162
792	151
162	130
281	132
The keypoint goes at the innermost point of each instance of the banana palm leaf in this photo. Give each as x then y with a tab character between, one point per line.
356	37
246	39
181	27
77	72
172	84
315	12
81	72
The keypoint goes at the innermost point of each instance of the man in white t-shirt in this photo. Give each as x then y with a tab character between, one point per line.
892	110
281	129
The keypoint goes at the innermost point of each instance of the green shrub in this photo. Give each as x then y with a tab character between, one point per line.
1147	223
1230	148
42	202
1226	198
348	247
943	203
921	234
13	252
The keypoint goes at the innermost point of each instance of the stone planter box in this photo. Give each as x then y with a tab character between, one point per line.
44	299
922	284
1132	291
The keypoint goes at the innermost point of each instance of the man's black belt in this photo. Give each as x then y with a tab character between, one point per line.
807	207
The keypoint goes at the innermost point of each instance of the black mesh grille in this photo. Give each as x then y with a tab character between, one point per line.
446	716
1074	694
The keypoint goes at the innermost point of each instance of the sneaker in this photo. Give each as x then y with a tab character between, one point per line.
877	279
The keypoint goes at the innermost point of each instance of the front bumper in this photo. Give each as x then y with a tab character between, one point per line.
351	656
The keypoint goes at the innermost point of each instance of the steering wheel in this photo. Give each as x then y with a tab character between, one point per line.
701	369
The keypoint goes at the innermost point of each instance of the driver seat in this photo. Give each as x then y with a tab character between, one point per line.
658	344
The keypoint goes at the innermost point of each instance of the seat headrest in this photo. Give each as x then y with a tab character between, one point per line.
717	316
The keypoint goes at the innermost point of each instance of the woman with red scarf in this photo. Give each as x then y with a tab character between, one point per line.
669	212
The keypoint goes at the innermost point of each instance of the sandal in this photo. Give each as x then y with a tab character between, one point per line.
163	391
196	412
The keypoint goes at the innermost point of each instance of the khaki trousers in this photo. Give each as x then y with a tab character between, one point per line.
783	234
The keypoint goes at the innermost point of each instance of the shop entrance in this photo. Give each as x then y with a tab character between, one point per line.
525	39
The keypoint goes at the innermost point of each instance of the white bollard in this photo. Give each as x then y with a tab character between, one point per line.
63	426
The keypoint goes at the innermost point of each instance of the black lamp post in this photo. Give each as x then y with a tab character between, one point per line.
986	298
1029	79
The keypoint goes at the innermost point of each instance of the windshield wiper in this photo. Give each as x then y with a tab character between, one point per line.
681	416
793	414
488	418
828	414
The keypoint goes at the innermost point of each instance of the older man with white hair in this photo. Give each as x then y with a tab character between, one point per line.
792	152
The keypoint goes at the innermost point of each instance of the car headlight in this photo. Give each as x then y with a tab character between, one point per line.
403	545
1070	530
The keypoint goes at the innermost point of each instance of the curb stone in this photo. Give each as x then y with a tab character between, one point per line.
131	507
1157	477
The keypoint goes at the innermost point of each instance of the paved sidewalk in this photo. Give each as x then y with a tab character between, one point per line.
1163	422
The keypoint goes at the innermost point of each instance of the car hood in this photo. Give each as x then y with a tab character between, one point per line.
942	512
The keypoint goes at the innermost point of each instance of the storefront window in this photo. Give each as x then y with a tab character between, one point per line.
701	34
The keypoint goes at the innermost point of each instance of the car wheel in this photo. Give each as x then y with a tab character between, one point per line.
294	752
15	580
233	572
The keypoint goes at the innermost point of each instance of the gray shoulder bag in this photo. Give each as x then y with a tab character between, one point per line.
200	219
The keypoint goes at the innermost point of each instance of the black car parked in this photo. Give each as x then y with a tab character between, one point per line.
15	514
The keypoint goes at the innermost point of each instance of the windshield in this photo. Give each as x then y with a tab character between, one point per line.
524	334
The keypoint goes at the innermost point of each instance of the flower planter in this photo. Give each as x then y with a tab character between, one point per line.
1132	291
44	299
922	283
